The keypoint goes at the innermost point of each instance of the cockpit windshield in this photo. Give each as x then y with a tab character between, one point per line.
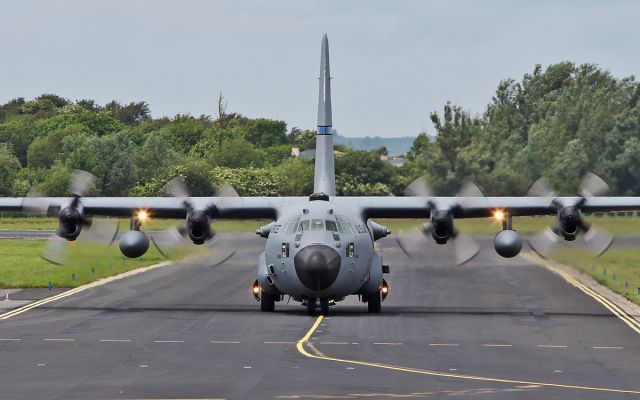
314	225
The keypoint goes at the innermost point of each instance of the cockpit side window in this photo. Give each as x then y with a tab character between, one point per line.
333	228
291	227
303	226
331	225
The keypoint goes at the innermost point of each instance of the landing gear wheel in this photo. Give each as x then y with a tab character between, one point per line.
267	302
324	306
374	303
311	306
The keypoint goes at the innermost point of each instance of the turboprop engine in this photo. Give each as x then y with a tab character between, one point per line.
199	226
70	221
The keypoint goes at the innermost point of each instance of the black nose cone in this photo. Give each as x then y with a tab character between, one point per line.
317	266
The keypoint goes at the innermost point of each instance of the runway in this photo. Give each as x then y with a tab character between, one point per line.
490	329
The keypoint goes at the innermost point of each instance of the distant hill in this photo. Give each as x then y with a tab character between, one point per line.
395	146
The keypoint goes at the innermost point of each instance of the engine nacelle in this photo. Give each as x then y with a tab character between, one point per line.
441	226
70	223
568	223
199	226
508	243
134	244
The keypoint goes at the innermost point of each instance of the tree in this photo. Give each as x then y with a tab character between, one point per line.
421	147
263	132
56	181
9	166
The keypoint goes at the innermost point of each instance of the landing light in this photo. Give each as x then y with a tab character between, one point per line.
142	216
498	215
255	290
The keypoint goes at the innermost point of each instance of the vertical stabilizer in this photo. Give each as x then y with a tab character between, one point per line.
324	180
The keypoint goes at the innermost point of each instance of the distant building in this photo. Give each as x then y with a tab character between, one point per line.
311	153
396	161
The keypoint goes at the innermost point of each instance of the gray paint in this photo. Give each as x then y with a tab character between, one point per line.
324	179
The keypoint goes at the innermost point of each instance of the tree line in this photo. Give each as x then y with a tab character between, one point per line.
558	123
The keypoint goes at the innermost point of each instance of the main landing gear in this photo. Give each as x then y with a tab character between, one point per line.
267	301
374	300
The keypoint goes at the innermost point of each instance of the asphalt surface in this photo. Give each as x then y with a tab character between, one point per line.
490	329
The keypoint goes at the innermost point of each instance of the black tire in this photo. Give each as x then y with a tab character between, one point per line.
374	303
311	306
324	306
267	302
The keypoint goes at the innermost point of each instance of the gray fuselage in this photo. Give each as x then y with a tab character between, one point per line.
320	249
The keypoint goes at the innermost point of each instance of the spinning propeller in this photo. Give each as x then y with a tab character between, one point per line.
71	219
197	226
441	223
571	224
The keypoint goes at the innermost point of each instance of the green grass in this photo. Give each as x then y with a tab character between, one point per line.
618	268
22	266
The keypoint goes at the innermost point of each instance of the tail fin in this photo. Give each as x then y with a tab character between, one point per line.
324	181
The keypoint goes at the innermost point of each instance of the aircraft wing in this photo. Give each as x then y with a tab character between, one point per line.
473	207
161	207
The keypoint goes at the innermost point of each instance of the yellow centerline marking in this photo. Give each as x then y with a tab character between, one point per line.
300	346
79	289
608	304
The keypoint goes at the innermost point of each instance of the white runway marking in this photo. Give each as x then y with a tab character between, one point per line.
444	344
388	343
223	342
58	340
9	340
608	347
497	345
279	342
115	340
552	346
168	341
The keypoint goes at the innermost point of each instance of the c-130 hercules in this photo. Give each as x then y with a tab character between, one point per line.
320	249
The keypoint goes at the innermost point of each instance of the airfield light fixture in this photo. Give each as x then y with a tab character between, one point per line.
498	215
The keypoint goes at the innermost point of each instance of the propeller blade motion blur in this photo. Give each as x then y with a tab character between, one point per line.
570	222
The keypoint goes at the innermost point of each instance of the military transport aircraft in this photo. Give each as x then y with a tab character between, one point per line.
320	249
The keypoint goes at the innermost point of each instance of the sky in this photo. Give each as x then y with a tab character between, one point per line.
392	62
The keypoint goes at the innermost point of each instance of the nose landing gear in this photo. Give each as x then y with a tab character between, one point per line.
324	306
